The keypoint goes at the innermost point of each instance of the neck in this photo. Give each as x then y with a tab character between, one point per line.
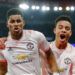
17	36
60	45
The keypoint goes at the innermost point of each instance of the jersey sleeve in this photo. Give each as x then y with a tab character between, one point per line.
43	43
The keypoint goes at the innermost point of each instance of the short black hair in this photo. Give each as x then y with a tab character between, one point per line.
63	17
14	11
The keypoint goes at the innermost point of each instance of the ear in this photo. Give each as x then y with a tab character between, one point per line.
54	30
70	33
23	23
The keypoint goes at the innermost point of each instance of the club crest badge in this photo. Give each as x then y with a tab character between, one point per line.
30	46
67	61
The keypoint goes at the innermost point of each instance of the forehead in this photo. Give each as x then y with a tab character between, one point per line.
14	17
63	23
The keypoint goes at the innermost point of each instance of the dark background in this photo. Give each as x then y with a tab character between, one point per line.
38	20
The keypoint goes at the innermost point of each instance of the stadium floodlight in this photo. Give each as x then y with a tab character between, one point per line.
24	6
37	7
72	8
47	8
55	8
43	8
33	7
60	8
68	8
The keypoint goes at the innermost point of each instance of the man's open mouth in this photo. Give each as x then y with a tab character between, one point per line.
16	29
62	36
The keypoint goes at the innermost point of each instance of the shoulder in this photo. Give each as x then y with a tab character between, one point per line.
39	36
38	33
52	43
72	47
32	32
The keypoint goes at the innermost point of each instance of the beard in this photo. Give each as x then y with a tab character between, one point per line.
16	34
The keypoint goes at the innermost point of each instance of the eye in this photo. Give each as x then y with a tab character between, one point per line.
18	20
67	28
12	21
60	27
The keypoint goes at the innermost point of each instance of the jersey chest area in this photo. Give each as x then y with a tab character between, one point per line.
21	52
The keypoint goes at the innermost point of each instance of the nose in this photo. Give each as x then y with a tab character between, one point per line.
15	24
64	30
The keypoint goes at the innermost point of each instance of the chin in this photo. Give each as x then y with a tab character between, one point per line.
63	42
